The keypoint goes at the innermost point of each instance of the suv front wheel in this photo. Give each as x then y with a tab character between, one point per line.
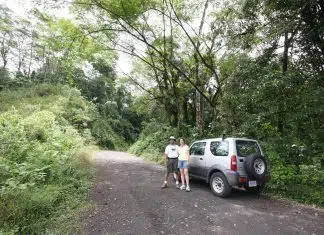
219	185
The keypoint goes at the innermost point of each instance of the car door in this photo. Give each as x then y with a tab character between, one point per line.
219	151
245	148
197	166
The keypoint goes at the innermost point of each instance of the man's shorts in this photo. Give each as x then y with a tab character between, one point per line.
172	165
183	164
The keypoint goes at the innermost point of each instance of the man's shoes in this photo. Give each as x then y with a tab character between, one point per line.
183	187
164	185
188	188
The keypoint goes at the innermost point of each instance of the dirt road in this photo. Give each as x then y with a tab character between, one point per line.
128	200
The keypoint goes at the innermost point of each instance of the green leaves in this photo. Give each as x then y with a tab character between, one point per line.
152	141
128	10
67	38
41	180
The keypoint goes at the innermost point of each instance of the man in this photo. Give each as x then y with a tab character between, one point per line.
171	155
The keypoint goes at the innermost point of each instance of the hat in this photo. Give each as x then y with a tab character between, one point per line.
172	138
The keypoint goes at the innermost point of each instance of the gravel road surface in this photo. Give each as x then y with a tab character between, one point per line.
128	199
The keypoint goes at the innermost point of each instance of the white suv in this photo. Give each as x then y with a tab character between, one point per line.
229	162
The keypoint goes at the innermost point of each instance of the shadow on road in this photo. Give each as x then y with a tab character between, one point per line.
237	194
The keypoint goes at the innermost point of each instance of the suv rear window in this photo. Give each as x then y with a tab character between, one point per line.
245	148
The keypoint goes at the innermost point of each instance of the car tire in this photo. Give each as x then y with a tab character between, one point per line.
219	185
256	166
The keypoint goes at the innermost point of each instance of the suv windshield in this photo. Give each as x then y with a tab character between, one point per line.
245	148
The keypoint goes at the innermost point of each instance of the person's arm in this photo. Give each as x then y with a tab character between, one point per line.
166	152
177	147
165	159
188	154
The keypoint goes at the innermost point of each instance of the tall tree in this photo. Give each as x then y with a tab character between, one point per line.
148	21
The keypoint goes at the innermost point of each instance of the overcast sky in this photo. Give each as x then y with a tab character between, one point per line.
21	8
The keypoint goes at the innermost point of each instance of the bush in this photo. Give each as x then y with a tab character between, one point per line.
105	135
112	128
44	176
152	141
294	175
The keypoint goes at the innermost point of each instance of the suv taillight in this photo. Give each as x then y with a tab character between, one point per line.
233	163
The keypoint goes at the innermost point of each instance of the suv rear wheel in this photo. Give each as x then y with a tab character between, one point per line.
219	185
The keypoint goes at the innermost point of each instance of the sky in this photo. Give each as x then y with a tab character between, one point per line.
21	8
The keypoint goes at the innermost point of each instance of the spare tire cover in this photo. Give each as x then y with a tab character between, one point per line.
255	166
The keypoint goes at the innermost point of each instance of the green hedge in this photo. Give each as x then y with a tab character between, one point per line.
295	175
152	141
44	177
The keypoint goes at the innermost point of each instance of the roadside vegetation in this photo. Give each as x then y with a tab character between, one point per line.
200	69
45	168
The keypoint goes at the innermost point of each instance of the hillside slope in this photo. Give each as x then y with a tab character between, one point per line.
45	169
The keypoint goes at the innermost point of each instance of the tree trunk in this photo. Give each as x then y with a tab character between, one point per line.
185	111
180	114
285	55
4	52
31	58
199	100
199	113
5	63
284	71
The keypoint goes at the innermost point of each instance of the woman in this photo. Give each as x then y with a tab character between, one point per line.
183	164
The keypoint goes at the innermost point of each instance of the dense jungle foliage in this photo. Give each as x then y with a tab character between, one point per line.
195	69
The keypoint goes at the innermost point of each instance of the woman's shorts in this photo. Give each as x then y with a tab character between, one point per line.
183	164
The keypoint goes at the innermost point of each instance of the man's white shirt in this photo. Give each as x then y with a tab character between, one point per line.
172	151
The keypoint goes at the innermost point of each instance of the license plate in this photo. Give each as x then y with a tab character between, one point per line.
252	183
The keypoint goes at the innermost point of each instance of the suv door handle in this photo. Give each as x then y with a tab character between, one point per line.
201	158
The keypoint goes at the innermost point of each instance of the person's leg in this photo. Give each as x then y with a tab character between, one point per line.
165	184
180	166
178	170
175	171
182	176
187	177
166	177
174	177
177	181
183	186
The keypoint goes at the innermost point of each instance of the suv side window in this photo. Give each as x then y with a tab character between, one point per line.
198	148
219	148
